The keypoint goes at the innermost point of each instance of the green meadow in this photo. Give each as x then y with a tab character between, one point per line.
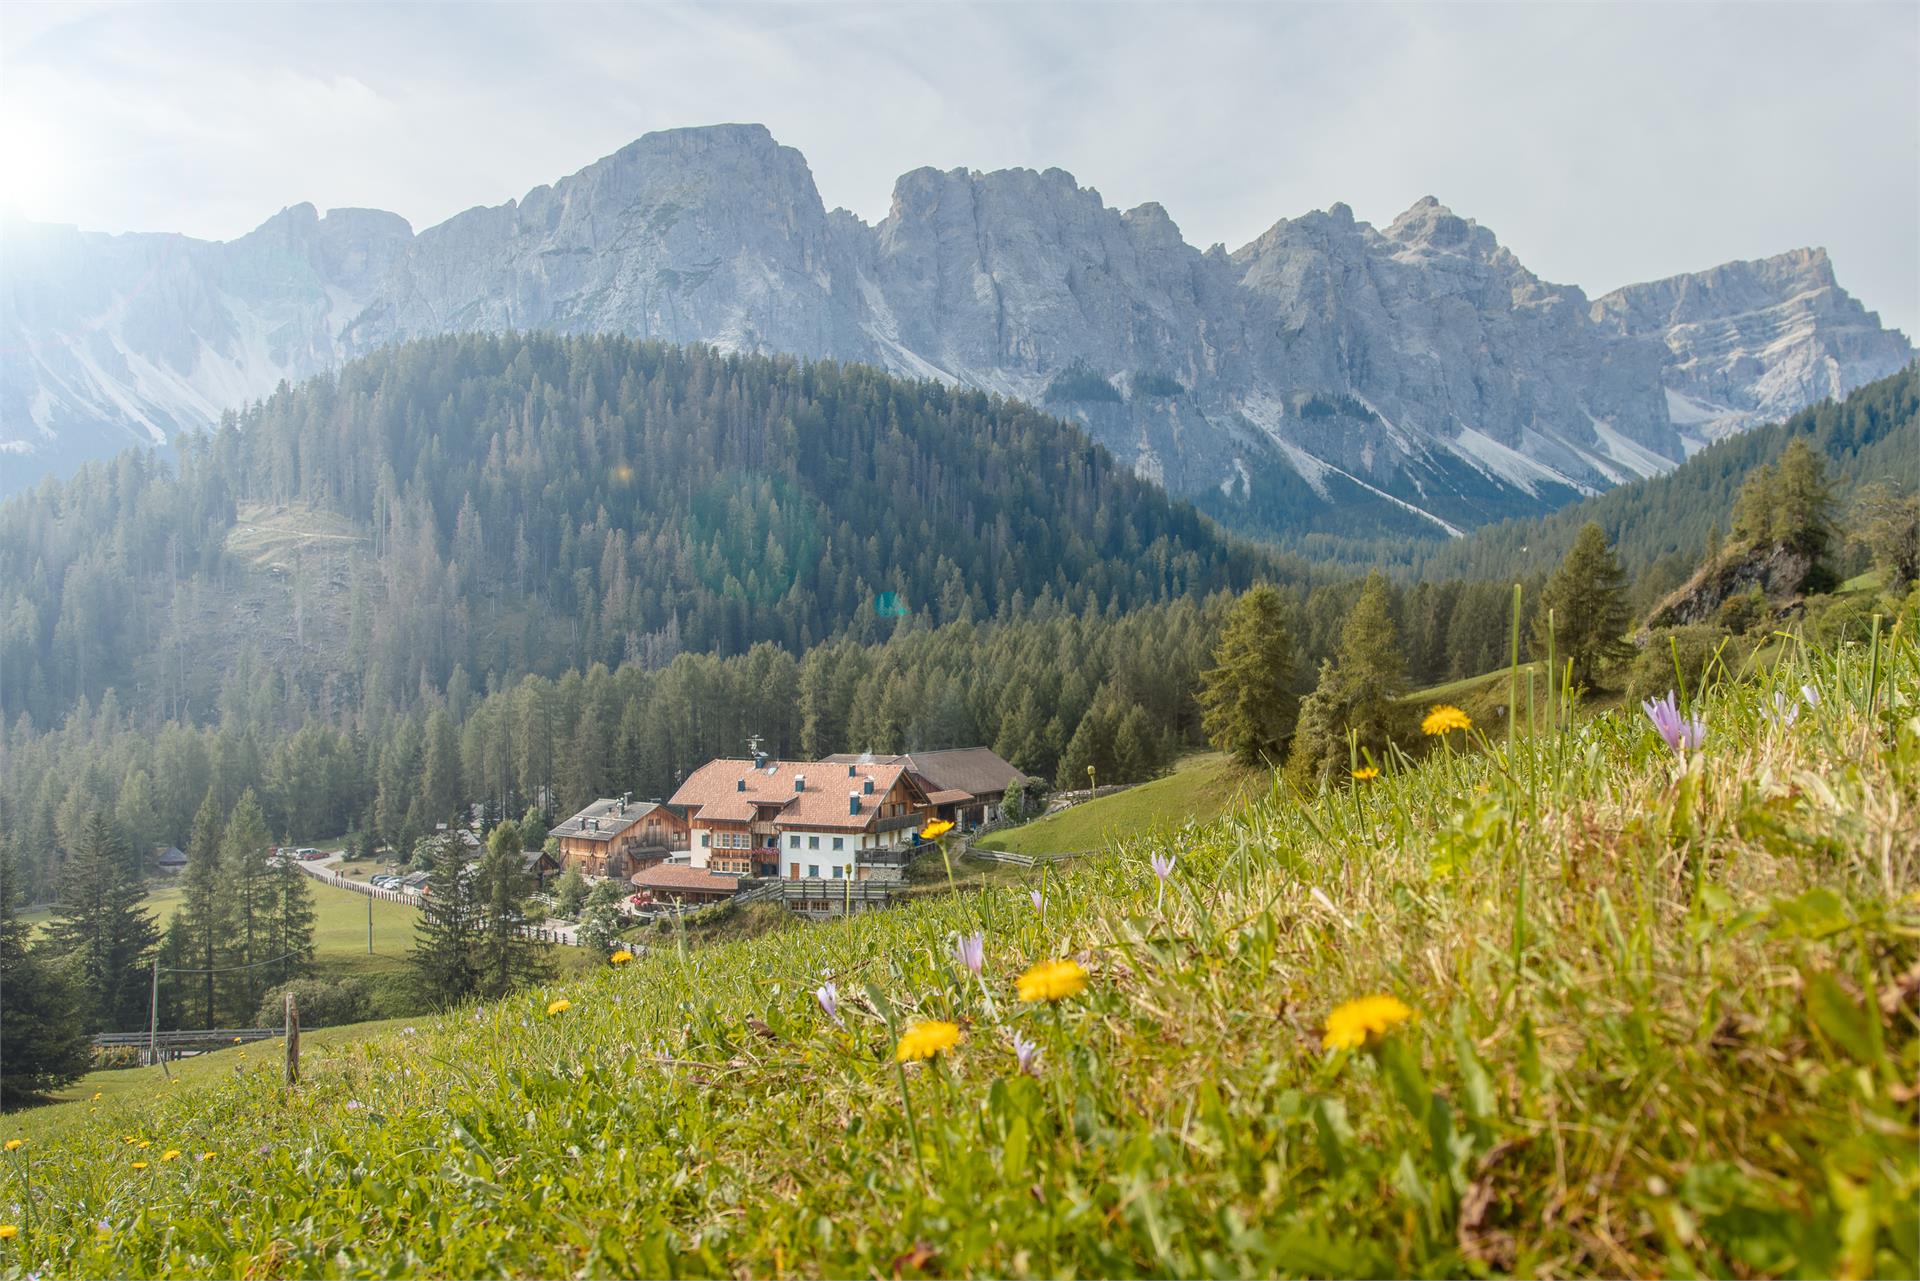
1659	1019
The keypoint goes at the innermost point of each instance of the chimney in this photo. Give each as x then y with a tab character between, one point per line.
799	782
868	787
853	802
740	785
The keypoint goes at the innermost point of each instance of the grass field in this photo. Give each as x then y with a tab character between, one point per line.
1199	790
1628	1012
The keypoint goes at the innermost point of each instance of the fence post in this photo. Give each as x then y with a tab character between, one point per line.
293	1042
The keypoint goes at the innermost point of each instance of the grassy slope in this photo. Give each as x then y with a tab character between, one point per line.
1664	1023
1199	790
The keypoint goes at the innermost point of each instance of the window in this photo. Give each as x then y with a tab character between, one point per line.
838	872
813	870
793	842
706	840
813	842
839	843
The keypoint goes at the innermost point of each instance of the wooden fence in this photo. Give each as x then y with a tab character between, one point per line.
539	934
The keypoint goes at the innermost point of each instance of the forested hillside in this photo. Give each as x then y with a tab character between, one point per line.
477	508
1663	525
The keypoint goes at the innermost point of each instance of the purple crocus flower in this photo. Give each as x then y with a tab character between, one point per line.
1811	694
1039	901
1682	733
1785	710
829	997
970	950
1026	1054
1162	865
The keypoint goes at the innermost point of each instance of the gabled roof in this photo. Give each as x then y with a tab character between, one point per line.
977	771
605	819
730	790
678	876
169	856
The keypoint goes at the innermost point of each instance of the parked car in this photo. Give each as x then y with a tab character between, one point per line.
309	854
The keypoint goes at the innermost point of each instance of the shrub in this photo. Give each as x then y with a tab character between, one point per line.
1831	620
321	1002
1654	671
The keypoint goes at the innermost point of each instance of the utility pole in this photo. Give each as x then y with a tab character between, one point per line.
153	1017
369	920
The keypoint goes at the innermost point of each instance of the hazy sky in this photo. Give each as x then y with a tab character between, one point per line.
1604	144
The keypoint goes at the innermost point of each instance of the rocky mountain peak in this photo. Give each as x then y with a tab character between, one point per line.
1417	375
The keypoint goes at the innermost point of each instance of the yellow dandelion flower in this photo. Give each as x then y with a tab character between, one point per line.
935	830
621	957
145	1143
139	1165
8	1232
1364	1021
14	1145
171	1154
1366	772
238	1039
924	1040
1053	981
96	1096
206	1156
1444	719
560	1006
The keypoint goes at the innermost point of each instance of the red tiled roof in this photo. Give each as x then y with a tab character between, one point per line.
678	876
713	792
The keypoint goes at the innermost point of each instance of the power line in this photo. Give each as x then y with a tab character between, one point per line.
229	969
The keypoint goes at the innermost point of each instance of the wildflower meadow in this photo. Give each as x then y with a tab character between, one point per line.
1624	994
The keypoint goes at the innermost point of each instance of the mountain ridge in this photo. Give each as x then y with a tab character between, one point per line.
1327	372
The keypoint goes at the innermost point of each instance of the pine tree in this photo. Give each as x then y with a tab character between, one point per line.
100	926
204	913
43	1033
1586	600
440	789
506	957
1248	707
443	956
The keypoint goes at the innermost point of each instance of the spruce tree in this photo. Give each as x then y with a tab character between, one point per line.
1247	708
443	957
1372	670
507	958
1587	601
204	911
100	926
43	1033
251	889
290	928
1319	747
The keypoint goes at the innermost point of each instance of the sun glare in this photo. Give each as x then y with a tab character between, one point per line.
30	167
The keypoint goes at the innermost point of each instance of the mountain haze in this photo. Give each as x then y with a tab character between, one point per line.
1330	375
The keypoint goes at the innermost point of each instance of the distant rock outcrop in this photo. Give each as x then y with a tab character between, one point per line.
1416	376
1782	574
